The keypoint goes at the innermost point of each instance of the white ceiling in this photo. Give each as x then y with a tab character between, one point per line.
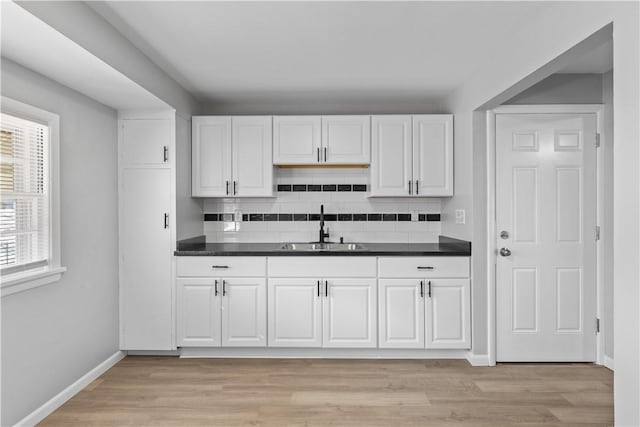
64	61
259	51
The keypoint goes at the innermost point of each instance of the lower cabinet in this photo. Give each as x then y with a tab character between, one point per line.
337	313
228	312
424	313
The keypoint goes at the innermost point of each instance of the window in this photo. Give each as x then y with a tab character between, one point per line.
29	230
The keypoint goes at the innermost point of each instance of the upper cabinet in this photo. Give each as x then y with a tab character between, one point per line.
328	140
296	140
232	156
145	142
412	156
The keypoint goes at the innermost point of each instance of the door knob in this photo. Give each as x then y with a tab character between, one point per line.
504	234
505	252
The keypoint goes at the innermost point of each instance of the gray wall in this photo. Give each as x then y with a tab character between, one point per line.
563	89
53	335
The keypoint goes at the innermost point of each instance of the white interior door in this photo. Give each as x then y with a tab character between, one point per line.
295	313
546	221
349	313
244	316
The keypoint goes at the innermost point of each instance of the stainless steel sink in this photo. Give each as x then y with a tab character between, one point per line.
316	247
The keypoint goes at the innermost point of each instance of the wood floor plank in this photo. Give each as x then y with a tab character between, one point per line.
168	391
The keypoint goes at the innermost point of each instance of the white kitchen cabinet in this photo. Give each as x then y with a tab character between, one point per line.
145	142
433	155
329	140
244	316
412	156
227	312
425	302
447	312
295	312
349	313
296	140
392	156
198	313
211	156
146	209
401	313
232	156
346	139
252	165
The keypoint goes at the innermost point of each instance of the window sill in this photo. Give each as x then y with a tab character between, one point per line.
19	282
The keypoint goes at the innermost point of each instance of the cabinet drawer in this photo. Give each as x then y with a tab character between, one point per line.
418	267
211	266
325	266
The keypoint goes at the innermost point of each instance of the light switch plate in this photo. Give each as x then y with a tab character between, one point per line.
414	216
460	216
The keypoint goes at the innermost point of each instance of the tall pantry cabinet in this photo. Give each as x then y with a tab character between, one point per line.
147	212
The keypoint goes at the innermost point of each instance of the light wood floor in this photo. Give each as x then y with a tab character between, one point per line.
158	391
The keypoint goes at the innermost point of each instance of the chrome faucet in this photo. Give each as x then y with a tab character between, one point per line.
323	235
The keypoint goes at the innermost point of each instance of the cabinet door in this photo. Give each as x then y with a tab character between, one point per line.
391	167
433	155
346	139
146	255
211	156
295	313
349	313
252	156
146	142
198	312
401	308
448	313
296	140
244	317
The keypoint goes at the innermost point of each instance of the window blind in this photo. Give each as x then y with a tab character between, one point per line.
24	205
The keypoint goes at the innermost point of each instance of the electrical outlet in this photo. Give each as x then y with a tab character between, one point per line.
460	216
414	216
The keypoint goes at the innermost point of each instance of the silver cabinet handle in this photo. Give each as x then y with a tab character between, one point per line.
410	187
318	287
505	252
429	292
166	220
166	153
227	186
326	288
428	267
216	288
318	153
325	154
421	288
417	188
235	187
219	266
224	287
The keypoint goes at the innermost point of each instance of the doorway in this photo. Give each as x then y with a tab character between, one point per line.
545	233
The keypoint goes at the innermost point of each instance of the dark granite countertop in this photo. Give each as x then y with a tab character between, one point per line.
446	246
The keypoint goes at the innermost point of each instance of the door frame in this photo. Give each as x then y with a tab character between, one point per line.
492	248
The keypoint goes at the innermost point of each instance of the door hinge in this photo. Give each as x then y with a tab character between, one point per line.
597	232
597	140
597	326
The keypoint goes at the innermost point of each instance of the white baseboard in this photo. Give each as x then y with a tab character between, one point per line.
58	400
478	359
608	362
320	353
